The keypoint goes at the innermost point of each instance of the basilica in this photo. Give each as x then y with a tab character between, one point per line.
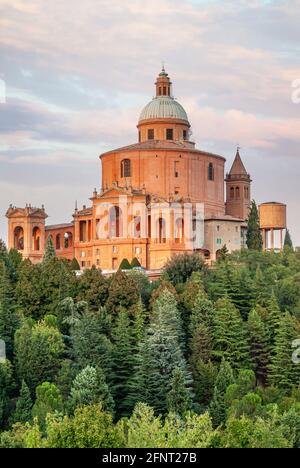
159	197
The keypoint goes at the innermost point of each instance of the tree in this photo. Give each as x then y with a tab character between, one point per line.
160	354
89	388
223	253
230	335
205	375
217	408
259	346
74	265
24	404
49	250
284	373
288	240
135	263
180	268
90	345
123	361
9	322
48	400
254	236
38	350
92	287
90	427
123	293
125	265
5	390
179	398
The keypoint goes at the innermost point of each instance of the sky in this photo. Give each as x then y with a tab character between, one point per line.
74	77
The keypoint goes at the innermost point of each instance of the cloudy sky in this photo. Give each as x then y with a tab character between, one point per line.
74	76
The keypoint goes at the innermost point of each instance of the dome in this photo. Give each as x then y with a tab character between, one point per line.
163	107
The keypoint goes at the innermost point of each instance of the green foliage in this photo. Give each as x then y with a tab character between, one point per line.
49	250
48	400
24	404
74	265
181	267
135	263
89	388
38	351
254	236
288	244
217	408
123	293
92	288
179	398
5	389
125	265
230	335
259	346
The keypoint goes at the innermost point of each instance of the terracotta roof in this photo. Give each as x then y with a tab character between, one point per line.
224	218
162	145
238	167
59	226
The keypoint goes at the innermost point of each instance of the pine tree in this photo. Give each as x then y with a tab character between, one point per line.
254	236
92	287
49	251
284	373
122	364
205	375
272	318
89	388
24	405
288	241
201	346
230	335
217	407
259	346
90	346
202	313
160	354
179	398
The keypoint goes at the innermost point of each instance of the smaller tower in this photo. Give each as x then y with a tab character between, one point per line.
163	84
238	189
26	231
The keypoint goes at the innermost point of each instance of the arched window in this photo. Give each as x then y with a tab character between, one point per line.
126	168
19	238
137	227
179	230
68	240
232	193
57	242
211	172
115	222
36	237
237	192
162	239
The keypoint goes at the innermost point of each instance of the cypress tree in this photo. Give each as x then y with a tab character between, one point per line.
272	318
254	236
122	364
217	408
288	240
24	405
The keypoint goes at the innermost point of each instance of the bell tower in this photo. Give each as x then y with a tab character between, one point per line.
238	189
26	231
